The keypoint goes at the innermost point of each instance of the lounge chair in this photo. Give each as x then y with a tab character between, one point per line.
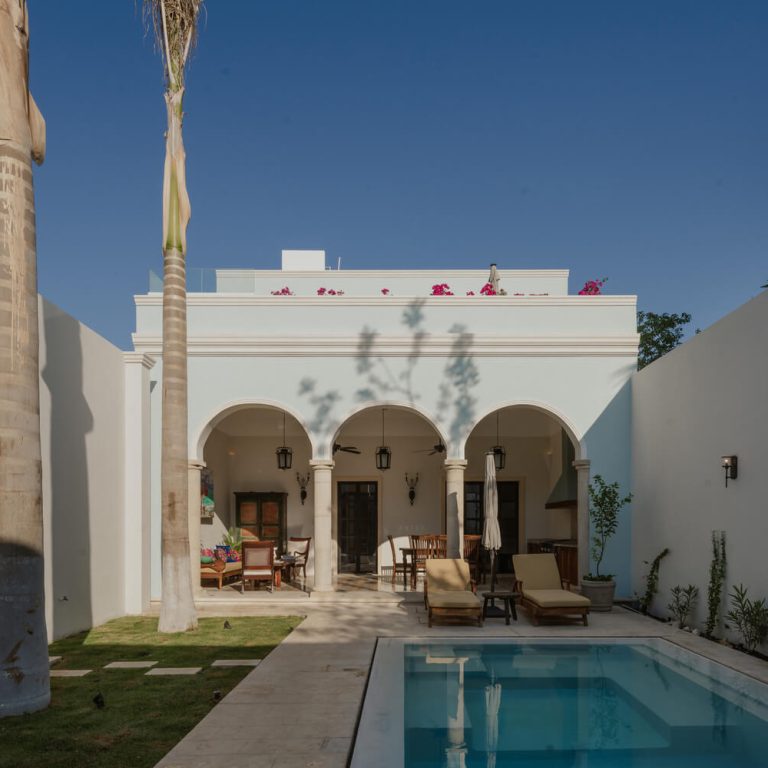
541	588
449	591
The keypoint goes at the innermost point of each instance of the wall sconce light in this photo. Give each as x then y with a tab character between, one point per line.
731	466
303	481
412	481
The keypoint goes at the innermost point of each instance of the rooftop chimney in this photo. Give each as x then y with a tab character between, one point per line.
303	261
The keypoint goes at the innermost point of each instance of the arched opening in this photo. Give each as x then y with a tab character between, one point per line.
244	491
372	503
537	484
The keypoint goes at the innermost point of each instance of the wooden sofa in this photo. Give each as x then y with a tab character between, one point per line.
220	571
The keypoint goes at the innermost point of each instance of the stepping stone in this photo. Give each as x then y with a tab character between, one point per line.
236	663
69	672
174	671
53	659
130	664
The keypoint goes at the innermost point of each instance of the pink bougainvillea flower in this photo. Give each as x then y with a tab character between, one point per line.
470	293
321	291
442	289
286	291
487	290
385	291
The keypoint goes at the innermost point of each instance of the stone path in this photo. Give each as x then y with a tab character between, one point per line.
299	707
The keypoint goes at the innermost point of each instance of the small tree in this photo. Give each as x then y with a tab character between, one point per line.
605	503
659	334
683	602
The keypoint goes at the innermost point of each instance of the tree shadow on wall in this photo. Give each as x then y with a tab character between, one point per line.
385	377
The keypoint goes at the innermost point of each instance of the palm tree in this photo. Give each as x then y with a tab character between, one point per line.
24	679
175	26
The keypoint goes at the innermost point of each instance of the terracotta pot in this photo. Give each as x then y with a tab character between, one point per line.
600	593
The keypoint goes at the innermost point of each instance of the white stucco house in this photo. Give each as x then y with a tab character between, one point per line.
374	359
545	376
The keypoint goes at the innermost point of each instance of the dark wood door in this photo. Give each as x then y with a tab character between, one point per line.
509	517
357	526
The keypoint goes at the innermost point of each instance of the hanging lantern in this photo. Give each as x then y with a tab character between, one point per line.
383	454
284	453
499	454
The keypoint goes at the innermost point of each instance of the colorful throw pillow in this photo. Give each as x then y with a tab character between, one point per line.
206	559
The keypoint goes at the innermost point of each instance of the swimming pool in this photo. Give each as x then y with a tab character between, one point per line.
558	704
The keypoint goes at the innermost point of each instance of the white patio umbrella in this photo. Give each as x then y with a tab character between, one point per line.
491	532
492	707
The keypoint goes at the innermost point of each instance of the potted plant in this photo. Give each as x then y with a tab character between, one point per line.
605	503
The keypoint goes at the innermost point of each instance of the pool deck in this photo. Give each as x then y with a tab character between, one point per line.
299	708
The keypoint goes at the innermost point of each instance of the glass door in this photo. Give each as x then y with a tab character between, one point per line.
357	526
509	517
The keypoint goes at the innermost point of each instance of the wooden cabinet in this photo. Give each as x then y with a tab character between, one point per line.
262	516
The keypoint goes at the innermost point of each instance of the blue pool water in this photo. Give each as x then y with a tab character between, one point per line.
558	705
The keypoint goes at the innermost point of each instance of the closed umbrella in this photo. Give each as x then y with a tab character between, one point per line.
491	532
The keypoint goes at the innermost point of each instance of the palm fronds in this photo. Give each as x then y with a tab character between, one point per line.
174	23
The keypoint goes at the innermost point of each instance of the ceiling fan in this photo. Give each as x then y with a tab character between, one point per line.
438	448
345	448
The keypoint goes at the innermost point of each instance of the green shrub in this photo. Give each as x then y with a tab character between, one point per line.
683	602
750	617
604	506
716	581
652	581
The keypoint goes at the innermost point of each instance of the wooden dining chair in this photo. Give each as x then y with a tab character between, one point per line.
423	548
401	567
258	562
473	554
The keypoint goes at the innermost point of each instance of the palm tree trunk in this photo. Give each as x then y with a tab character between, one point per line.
177	613
24	677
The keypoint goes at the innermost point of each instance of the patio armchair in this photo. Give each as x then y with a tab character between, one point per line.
449	591
258	563
298	548
541	588
401	567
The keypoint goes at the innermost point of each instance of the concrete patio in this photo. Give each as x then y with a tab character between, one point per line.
299	708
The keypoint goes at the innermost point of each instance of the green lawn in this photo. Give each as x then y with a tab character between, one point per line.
143	717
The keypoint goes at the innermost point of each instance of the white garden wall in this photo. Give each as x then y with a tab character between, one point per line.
706	399
81	425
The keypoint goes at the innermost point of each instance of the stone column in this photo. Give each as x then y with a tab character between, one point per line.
193	492
582	514
136	498
454	505
323	539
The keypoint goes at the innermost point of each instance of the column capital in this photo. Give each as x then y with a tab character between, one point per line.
315	464
139	358
581	465
456	464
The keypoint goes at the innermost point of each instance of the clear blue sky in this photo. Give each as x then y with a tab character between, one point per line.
618	139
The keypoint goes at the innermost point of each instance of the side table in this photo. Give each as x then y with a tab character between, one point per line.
508	598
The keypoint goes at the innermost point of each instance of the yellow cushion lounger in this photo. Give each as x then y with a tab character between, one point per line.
541	588
448	591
